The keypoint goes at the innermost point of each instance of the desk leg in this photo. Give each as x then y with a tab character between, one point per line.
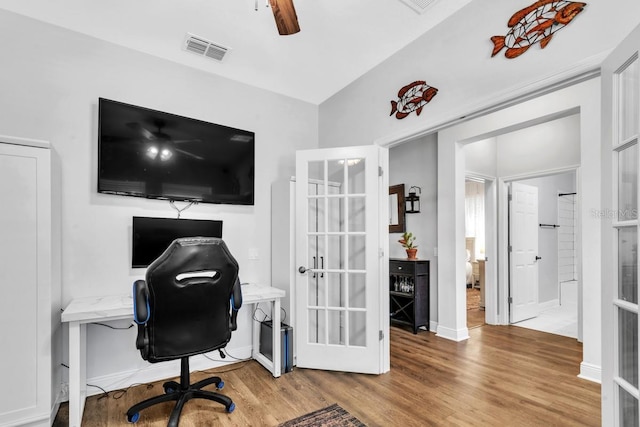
255	339
273	365
77	372
277	349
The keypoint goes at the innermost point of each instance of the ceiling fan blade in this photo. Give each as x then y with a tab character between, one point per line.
182	141
143	131
285	15
186	153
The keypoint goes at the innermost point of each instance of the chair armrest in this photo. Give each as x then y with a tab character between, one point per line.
236	303
141	310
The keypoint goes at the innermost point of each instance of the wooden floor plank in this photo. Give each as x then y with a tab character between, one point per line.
502	375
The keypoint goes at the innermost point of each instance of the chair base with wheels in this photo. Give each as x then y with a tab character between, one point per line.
181	393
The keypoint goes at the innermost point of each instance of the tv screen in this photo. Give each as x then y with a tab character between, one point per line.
148	153
151	236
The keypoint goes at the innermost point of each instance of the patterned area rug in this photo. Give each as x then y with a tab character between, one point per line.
330	416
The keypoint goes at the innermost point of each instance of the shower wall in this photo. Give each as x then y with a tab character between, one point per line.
567	265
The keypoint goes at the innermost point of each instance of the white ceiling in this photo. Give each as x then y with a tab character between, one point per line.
339	41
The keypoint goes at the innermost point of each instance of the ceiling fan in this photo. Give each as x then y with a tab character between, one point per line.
161	145
285	15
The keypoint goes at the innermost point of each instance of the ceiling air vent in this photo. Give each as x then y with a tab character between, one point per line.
419	6
204	47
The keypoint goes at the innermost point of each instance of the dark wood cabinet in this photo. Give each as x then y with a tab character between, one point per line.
409	292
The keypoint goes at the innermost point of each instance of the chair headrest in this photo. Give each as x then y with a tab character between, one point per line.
193	257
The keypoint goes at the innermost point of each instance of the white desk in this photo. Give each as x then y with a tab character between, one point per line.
102	309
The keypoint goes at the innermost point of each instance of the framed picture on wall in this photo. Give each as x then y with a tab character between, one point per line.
396	209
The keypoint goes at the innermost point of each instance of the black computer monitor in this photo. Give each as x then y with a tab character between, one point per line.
151	236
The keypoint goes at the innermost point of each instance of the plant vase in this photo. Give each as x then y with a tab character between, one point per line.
411	253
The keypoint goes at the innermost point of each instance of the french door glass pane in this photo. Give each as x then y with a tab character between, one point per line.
357	329
628	183
628	406
357	252
335	285
336	175
357	290
312	260
336	327
628	103
628	346
334	259
628	264
357	214
336	214
356	176
317	291
317	326
316	215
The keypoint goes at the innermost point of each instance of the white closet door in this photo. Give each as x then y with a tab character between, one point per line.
25	279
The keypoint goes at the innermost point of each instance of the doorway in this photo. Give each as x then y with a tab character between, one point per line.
557	305
572	97
475	250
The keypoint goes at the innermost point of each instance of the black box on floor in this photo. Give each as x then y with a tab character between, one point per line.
286	344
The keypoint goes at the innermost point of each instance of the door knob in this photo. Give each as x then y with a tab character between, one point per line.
538	257
302	270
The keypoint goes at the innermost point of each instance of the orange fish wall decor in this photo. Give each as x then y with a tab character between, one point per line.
412	98
535	24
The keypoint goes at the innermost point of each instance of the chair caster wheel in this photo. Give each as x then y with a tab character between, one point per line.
231	407
170	387
133	418
220	385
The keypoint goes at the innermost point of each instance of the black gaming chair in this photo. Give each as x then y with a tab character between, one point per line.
186	306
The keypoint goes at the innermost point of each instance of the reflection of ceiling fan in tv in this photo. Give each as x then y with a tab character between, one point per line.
285	15
159	144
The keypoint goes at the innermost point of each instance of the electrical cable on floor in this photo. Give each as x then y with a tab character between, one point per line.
118	394
105	393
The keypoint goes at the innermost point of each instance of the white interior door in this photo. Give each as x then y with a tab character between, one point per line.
523	259
621	191
338	257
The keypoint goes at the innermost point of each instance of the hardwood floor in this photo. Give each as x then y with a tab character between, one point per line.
502	376
475	314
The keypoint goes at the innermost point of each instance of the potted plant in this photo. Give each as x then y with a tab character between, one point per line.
407	243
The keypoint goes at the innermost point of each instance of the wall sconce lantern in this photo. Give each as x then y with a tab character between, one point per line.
412	200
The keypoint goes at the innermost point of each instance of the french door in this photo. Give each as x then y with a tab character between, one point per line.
339	252
621	124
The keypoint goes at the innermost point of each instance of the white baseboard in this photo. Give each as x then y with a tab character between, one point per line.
433	326
157	371
453	334
590	372
548	304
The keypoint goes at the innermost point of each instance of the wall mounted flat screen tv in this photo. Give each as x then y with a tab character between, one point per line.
151	236
148	153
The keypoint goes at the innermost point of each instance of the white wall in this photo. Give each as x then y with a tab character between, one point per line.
554	144
415	163
449	60
50	83
482	157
